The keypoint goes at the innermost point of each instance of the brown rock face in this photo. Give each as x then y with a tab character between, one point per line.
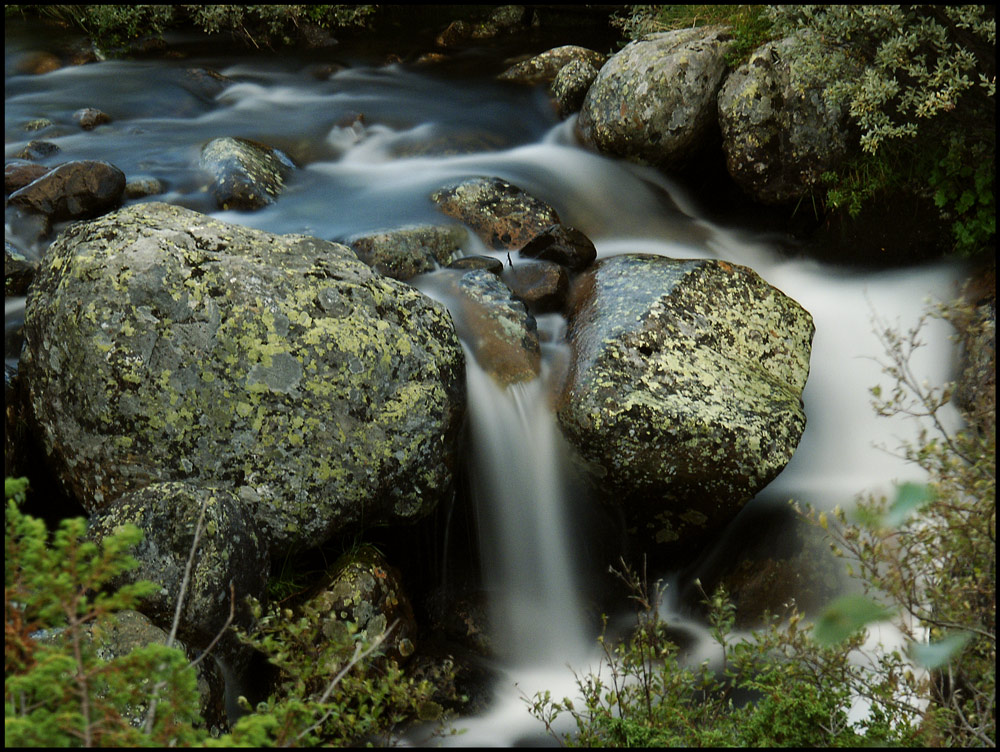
74	190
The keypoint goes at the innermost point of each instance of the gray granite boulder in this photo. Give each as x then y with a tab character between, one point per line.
684	392
230	552
162	344
570	86
780	132
655	101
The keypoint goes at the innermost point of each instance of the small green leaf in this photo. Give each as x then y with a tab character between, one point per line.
909	498
936	654
845	616
14	487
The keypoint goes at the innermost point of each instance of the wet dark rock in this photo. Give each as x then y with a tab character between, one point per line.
38	150
570	86
501	214
462	618
779	131
330	396
562	245
543	68
542	285
655	101
363	589
18	271
246	175
90	117
230	550
206	82
493	324
456	34
17	173
407	252
37	63
684	392
490	264
142	187
73	190
769	560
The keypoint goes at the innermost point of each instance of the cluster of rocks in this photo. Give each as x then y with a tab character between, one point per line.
665	97
271	392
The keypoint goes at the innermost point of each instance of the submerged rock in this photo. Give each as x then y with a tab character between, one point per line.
73	190
655	101
683	397
246	175
497	327
162	344
503	215
780	132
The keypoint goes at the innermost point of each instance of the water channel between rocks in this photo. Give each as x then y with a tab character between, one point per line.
420	130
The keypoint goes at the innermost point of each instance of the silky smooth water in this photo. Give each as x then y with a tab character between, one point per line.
371	143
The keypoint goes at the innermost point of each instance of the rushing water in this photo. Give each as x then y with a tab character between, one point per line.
371	143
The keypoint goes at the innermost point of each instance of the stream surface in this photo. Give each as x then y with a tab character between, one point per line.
421	127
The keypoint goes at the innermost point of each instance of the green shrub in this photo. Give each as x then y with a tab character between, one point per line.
924	105
333	689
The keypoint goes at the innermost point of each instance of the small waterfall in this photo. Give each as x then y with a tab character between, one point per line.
521	500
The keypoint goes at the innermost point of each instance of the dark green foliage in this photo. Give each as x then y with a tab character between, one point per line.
112	26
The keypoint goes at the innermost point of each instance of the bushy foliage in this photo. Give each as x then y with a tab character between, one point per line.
749	24
925	562
57	691
334	688
112	26
924	105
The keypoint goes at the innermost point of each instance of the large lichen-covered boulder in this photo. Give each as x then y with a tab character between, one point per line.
501	214
655	101
162	344
780	131
246	175
684	392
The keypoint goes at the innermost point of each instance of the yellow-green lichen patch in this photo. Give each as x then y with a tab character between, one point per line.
685	386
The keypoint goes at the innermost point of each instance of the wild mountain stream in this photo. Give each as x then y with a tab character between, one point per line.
371	141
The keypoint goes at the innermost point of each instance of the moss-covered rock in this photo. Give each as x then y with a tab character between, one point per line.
409	251
779	131
543	68
364	590
503	215
230	552
655	101
683	397
246	175
165	345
